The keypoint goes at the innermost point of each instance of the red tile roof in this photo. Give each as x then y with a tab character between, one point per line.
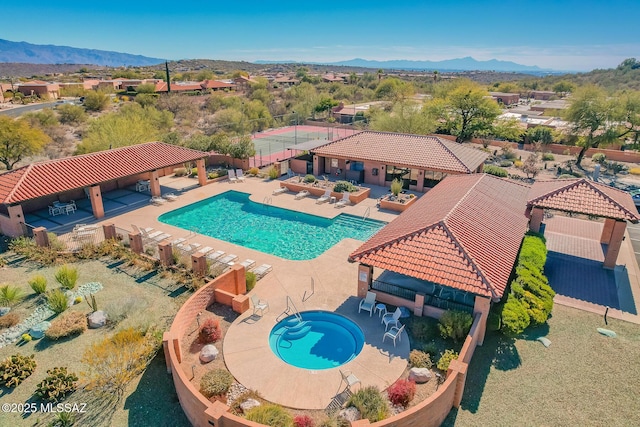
583	196
216	84
465	233
55	176
406	150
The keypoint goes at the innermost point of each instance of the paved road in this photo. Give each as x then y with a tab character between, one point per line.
17	111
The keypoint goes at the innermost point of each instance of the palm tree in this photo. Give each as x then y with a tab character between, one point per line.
380	73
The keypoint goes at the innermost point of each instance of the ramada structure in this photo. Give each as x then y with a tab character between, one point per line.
377	158
40	184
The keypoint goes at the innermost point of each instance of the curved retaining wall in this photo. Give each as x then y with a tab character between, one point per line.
203	413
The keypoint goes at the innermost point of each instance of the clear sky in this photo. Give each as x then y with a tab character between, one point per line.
560	34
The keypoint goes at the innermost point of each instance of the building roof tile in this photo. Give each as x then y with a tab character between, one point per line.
406	150
465	233
54	176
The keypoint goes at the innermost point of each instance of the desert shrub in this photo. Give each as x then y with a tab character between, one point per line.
180	171
515	318
77	300
334	422
634	171
431	349
273	173
194	172
344	187
254	171
506	163
420	359
533	251
547	157
63	419
494	170
38	284
69	323
9	320
210	331
15	369
566	176
116	360
56	385
303	421
421	328
396	187
402	392
57	300
120	310
270	414
517	163
370	403
446	358
215	382
455	324
26	337
10	295
507	150
250	279
309	178
67	276
599	158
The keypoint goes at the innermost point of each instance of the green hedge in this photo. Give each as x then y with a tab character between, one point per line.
495	170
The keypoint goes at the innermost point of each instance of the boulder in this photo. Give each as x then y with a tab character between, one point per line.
350	414
420	375
208	353
38	330
97	319
4	310
249	404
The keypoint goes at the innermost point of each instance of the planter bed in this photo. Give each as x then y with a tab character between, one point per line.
396	205
318	190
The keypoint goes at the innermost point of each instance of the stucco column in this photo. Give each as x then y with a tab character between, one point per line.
216	412
202	172
459	369
381	174
199	264
420	185
154	182
482	306
537	214
109	231
418	305
613	249
365	274
41	236
95	196
316	165
13	227
605	237
165	253
135	242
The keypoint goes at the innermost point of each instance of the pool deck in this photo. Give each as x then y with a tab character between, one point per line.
246	344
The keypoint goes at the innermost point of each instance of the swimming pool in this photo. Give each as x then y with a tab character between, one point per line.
232	217
320	340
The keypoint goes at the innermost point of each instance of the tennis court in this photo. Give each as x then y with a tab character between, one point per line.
272	145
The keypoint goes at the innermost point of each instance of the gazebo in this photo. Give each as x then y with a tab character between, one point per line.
581	196
37	185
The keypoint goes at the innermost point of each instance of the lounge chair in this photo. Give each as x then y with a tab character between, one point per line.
215	255
205	250
227	259
240	176
394	333
178	241
170	197
248	263
161	237
157	200
349	378
189	248
152	236
302	194
325	197
368	303
83	231
232	176
262	270
280	191
259	305
344	201
391	318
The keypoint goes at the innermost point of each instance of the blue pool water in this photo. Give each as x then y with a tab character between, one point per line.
322	340
232	217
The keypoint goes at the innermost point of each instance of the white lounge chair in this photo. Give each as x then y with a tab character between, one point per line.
227	259
170	197
349	378
391	318
302	194
240	175
344	201
153	235
84	231
259	305
215	255
232	176
280	191
189	248
161	237
368	303
178	241
205	250
157	200
262	270
394	333
248	263
325	197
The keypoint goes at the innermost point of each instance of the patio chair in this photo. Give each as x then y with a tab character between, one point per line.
215	255
302	194
55	210
232	176
368	303
344	201
325	197
248	263
205	250
157	200
228	259
259	305
391	318
240	175
394	333
161	237
170	197
178	241
280	191
349	378
262	270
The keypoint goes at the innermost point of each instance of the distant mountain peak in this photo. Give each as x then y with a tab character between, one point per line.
466	63
50	54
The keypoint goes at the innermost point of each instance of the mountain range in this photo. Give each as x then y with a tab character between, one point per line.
50	54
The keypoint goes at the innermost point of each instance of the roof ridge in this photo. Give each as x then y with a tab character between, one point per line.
570	183
464	196
479	271
606	196
27	168
441	141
